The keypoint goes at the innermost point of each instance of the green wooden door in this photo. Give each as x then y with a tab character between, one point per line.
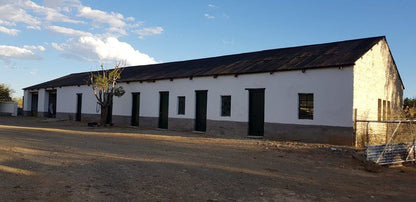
52	104
256	112
34	104
201	110
163	110
135	109
79	107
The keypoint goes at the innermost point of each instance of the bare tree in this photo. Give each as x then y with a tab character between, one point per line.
104	86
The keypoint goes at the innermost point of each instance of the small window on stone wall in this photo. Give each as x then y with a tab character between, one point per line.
226	105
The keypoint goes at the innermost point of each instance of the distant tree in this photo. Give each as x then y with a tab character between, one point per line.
19	101
5	93
104	86
409	102
409	107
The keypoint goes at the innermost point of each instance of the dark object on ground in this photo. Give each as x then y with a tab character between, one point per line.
20	111
92	124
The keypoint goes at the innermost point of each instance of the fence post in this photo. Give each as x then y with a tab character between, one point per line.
413	143
366	133
354	129
387	132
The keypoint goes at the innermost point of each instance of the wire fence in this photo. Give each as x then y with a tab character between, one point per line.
386	142
381	132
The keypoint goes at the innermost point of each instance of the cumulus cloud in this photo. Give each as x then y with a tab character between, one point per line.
114	20
106	49
68	31
51	14
34	27
31	13
8	31
57	46
99	43
7	23
36	48
62	5
13	52
13	14
131	19
148	31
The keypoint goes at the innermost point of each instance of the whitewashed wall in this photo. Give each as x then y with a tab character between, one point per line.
376	77
8	107
27	100
332	88
43	98
66	100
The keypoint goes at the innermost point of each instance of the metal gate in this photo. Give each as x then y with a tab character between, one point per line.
387	142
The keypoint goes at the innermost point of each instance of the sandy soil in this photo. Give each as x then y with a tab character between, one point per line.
47	160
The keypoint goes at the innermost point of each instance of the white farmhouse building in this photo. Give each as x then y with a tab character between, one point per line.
307	93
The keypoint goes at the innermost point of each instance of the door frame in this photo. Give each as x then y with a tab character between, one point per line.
197	126
79	107
161	123
135	109
52	93
34	104
249	129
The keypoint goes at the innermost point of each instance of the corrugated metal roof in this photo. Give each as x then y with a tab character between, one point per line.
333	54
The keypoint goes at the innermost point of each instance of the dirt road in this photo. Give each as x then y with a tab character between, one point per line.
67	161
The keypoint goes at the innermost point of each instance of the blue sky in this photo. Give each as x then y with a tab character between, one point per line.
43	40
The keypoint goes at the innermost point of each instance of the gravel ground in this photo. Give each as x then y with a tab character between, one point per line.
50	160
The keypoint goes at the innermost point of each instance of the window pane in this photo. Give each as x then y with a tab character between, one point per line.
226	105
181	104
305	106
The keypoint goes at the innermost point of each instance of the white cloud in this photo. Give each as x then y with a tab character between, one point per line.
7	23
114	20
208	16
30	13
57	46
130	19
116	30
50	13
35	27
12	32
211	5
99	43
106	50
13	52
149	31
12	14
62	5
68	31
39	48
